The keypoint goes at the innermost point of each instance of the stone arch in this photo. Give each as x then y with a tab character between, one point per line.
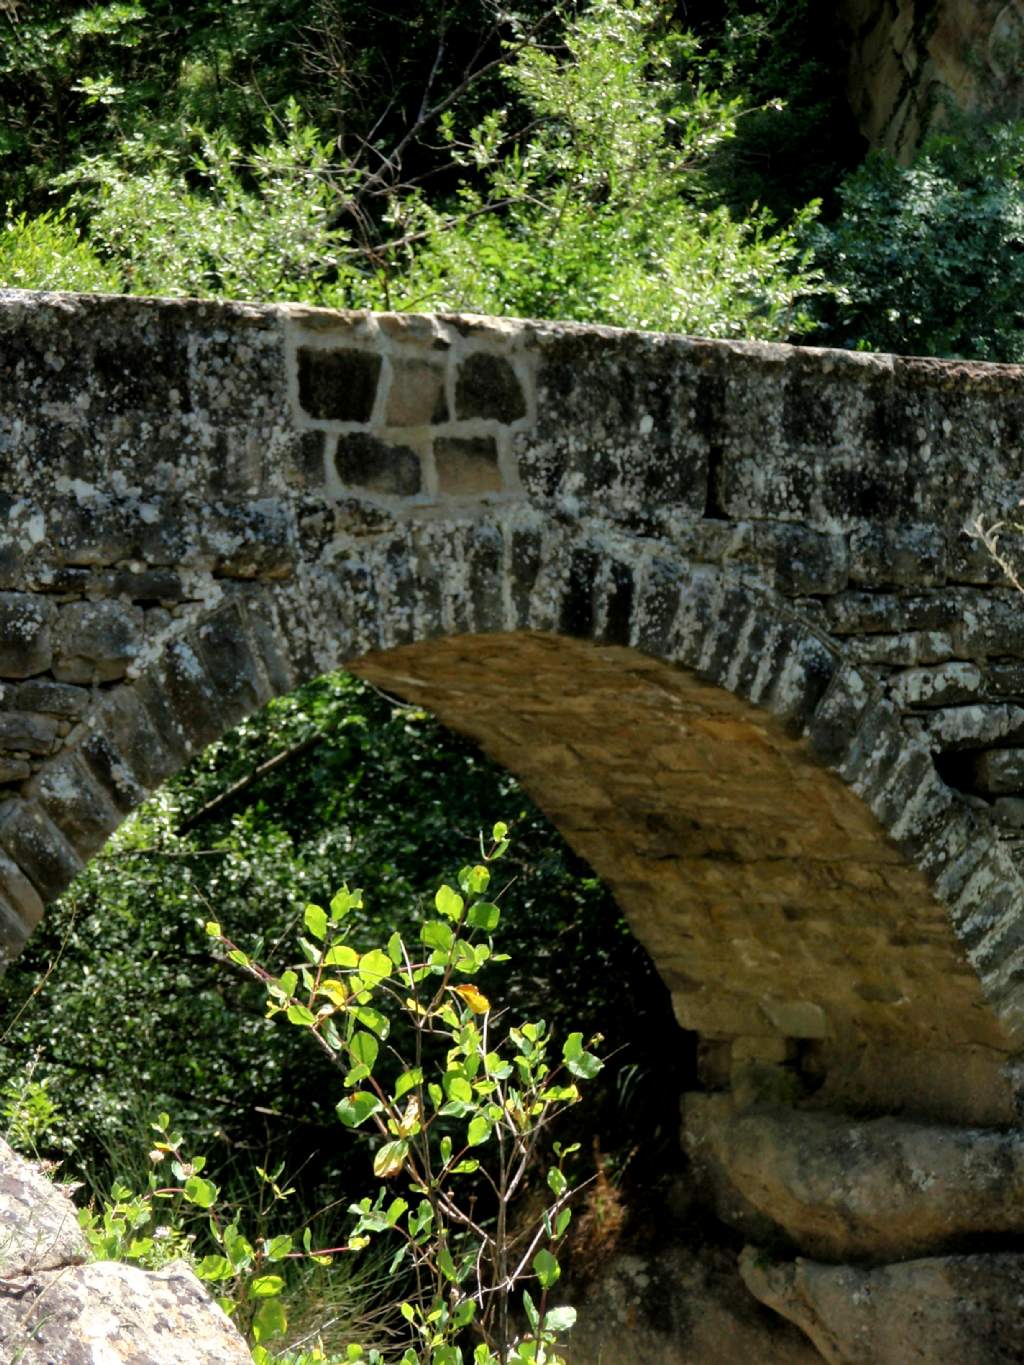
793	863
210	503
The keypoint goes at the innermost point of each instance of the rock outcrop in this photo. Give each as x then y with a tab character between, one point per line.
684	1305
55	1309
840	1188
911	60
963	1309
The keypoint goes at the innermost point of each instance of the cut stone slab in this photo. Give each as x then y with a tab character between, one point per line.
107	1313
838	1187
962	1309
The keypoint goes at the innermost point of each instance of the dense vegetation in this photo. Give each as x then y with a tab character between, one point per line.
638	162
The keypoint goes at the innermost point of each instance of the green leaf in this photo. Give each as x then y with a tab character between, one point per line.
390	1158
278	1248
341	955
344	902
270	1320
479	1131
499	831
364	1047
557	1182
266	1286
375	966
395	952
449	903
484	915
202	1193
213	1268
299	1014
560	1319
373	1020
356	1109
546	1268
436	934
532	1316
407	1081
579	1062
315	920
457	1087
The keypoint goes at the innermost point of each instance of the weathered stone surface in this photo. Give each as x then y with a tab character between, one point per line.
843	1188
56	699
338	385
999	772
25	642
467	465
96	641
487	387
38	1224
33	733
944	1309
679	1306
365	463
107	1313
712	602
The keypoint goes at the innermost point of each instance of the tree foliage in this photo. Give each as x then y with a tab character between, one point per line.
929	259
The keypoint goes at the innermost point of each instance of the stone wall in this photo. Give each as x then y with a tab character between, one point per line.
713	602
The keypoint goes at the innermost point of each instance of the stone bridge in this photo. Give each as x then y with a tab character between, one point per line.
713	603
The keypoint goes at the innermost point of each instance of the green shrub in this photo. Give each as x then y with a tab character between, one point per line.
46	252
929	259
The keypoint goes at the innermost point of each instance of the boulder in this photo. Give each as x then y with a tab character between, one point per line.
57	1310
107	1313
841	1188
965	1309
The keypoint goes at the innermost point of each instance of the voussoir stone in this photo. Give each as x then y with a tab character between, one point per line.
838	1187
947	1310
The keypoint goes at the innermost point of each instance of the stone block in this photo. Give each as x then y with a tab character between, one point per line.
247	539
802	562
14	933
28	732
125	750
26	623
338	385
1005	678
910	556
796	1018
905	649
487	387
366	464
417	394
97	641
944	685
110	1313
467	466
183	701
231	658
38	847
75	802
92	533
14	769
19	892
55	699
